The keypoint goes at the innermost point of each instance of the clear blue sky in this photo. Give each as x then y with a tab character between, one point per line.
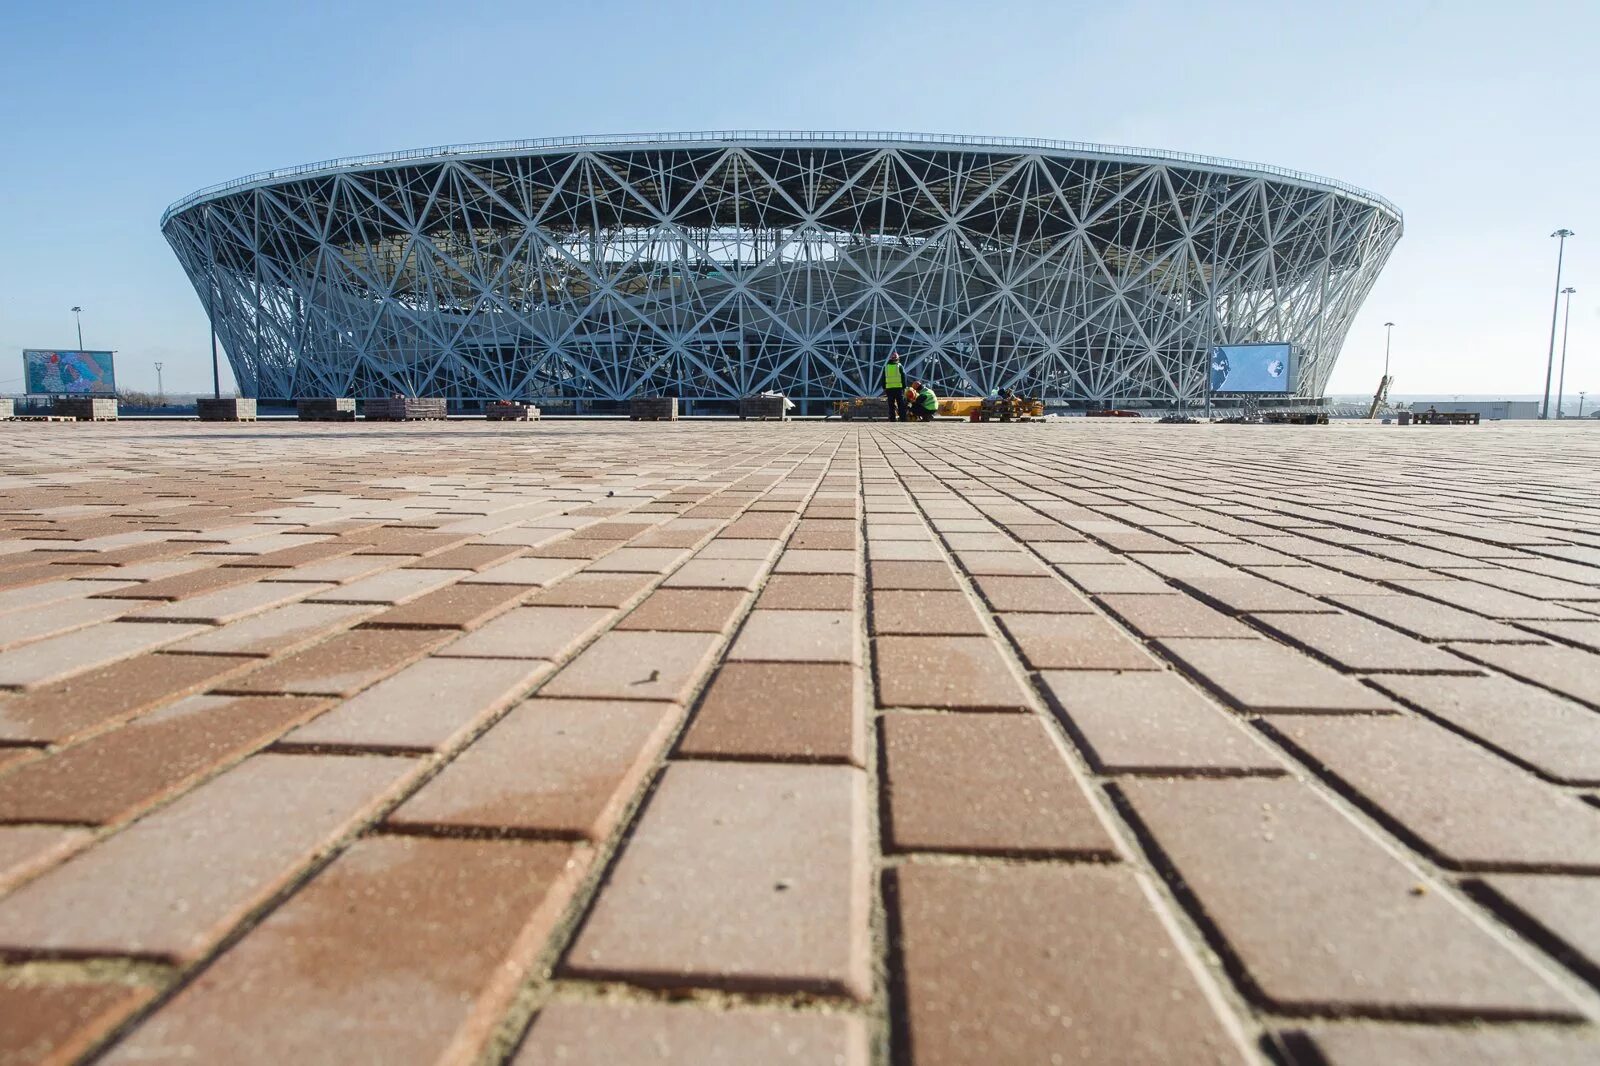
1476	118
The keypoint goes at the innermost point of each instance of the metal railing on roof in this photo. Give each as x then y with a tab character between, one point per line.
632	140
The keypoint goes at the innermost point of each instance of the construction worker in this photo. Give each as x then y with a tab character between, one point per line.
926	403
894	388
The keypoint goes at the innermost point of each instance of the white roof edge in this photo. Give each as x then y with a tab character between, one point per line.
773	138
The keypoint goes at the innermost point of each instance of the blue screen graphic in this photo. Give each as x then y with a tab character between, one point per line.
1251	368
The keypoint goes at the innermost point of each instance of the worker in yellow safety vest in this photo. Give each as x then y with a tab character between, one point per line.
894	388
926	401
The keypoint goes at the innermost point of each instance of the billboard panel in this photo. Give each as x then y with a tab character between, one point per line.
1265	368
69	372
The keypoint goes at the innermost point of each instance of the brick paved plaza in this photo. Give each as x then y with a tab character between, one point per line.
733	743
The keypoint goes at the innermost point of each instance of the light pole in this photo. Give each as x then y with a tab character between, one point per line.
1388	338
1550	361
77	313
1581	395
161	392
1566	321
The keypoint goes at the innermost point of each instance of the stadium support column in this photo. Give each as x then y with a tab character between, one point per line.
211	323
1555	308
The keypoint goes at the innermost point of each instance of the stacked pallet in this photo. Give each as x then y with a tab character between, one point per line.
764	407
510	411
654	409
405	409
8	409
340	409
85	408
238	409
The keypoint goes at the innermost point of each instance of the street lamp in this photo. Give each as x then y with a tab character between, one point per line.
1550	361
1566	321
1581	395
77	313
161	392
1388	337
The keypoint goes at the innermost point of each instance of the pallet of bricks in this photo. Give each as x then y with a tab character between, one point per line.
331	409
510	411
85	408
653	409
238	409
764	407
404	409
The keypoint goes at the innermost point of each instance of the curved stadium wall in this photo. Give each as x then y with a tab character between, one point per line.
714	266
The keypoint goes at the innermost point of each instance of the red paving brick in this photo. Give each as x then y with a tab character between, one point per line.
80	705
117	774
56	1023
1243	657
454	607
342	665
985	784
803	712
1041	964
740	877
403	950
685	610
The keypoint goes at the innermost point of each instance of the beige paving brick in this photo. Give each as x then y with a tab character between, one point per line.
1074	642
390	587
1175	615
637	666
596	1034
1260	675
277	631
1573	672
798	636
1153	723
67	655
1554	736
431	705
230	604
1467	807
739	876
1360	645
956	673
530	633
1320	917
117	898
564	768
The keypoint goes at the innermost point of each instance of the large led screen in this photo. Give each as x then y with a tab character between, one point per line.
1252	368
71	373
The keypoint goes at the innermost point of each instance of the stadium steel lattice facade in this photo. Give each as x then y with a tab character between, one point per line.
712	266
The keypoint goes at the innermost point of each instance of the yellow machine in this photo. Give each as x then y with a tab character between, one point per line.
972	408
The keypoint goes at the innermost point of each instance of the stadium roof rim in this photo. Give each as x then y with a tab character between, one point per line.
491	149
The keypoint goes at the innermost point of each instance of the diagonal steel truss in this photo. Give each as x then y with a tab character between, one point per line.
722	266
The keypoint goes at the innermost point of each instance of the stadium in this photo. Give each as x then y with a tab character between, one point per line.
581	272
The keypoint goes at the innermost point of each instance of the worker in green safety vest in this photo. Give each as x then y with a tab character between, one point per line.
894	388
927	401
